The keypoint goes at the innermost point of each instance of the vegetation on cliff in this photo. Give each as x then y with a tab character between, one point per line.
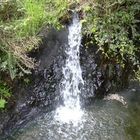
20	23
114	27
111	24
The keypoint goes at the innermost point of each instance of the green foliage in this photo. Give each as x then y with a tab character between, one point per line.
56	9
34	17
20	22
113	24
2	103
4	95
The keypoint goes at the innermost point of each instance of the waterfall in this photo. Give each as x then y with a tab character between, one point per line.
72	81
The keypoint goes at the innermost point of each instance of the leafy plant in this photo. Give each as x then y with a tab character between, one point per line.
20	22
4	95
2	103
114	26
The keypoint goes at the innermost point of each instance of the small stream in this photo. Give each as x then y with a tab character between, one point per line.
116	117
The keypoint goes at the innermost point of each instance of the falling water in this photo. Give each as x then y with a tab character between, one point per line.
72	82
107	119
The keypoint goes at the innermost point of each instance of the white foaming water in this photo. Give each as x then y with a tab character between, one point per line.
70	85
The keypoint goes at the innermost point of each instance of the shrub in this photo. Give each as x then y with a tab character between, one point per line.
114	26
20	22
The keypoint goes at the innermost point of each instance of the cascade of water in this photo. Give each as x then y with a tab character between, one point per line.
70	84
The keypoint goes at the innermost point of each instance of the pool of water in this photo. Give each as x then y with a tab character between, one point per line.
107	119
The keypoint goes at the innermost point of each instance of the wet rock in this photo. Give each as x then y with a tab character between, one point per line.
101	76
42	93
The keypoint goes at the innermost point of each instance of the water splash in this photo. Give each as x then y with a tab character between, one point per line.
72	81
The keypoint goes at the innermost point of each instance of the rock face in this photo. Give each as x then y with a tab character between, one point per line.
100	75
42	94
